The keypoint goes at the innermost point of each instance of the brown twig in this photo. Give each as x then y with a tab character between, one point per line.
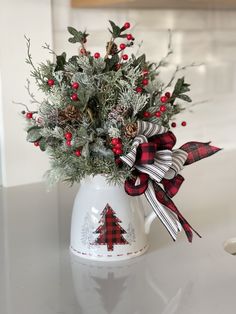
108	50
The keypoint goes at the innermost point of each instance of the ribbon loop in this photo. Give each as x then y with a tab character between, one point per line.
133	189
146	153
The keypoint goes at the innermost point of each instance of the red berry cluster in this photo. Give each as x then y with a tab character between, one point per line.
125	57
68	137
144	81
74	96
162	108
165	98
129	37
117	146
174	124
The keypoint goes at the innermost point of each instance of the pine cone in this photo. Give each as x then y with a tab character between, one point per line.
131	130
62	117
72	113
113	49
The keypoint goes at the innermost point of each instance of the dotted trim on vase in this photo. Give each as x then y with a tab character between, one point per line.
109	255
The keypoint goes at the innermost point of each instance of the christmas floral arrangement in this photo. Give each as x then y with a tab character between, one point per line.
110	114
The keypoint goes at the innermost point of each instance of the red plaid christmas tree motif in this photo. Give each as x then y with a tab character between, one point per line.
110	231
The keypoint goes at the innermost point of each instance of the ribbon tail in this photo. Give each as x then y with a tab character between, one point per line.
164	199
169	220
172	186
197	151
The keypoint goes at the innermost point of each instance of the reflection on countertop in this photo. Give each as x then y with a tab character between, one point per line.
39	275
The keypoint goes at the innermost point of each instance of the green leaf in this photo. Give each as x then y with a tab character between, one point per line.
72	31
185	97
43	144
141	60
110	63
33	134
72	40
115	29
180	87
83	136
61	61
78	36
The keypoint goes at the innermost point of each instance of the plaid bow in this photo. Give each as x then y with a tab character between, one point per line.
156	163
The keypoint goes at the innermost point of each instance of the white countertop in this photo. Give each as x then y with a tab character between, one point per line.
39	276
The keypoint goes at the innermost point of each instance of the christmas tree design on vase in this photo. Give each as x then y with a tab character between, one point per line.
110	231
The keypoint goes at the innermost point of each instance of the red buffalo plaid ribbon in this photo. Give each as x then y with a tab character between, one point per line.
156	163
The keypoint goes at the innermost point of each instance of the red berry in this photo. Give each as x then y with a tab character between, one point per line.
114	150
184	123
119	151
118	146
139	89
125	57
75	85
129	36
83	51
118	161
115	141
126	25
158	114
68	143
78	153
122	46
167	94
164	99
146	114
29	115
145	72
145	82
117	66
68	136
97	55
173	124
51	82
163	108
36	143
74	97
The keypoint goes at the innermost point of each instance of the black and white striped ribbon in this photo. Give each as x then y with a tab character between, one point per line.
167	217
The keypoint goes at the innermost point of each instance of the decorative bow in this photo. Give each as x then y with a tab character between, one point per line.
154	164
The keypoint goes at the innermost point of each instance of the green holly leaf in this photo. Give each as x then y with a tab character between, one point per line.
61	61
78	36
116	30
43	144
110	63
185	97
141	60
33	134
181	87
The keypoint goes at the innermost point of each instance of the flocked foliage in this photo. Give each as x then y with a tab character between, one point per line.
89	102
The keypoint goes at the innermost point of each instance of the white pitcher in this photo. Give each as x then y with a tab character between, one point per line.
108	224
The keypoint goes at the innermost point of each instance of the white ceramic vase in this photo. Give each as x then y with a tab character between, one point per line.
108	224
